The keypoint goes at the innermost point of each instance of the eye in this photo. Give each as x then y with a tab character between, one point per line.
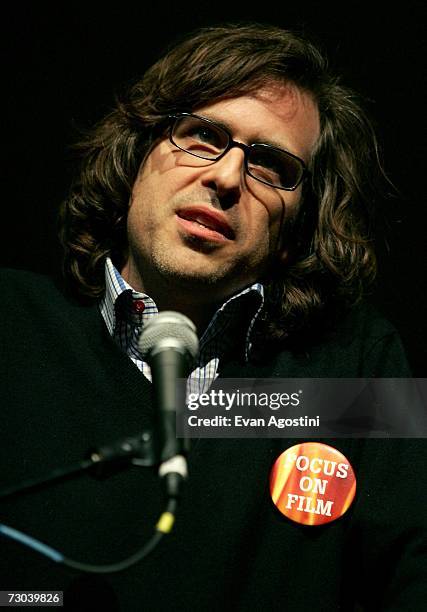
199	137
265	165
274	166
205	135
202	137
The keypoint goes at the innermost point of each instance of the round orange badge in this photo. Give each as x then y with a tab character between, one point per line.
312	483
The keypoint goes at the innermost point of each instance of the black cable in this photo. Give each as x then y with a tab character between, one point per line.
163	527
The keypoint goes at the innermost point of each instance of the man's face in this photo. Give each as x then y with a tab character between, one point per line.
209	226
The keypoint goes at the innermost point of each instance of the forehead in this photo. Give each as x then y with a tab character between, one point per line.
282	115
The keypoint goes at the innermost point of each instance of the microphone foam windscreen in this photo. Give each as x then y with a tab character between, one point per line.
169	325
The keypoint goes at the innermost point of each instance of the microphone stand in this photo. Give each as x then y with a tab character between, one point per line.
101	463
170	342
139	451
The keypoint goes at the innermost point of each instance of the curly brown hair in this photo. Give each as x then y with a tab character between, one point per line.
333	257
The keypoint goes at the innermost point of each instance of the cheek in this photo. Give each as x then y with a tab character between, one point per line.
155	190
145	196
275	220
142	210
150	178
261	234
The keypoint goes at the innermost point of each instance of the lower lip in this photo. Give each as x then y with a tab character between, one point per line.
201	231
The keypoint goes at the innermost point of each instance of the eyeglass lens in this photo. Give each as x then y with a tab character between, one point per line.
206	140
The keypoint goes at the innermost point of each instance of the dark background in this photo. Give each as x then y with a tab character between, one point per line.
62	64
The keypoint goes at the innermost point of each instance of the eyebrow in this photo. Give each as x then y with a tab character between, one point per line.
226	126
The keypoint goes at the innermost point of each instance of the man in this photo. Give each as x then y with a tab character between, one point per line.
233	184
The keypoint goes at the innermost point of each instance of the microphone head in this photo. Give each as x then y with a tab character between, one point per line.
172	330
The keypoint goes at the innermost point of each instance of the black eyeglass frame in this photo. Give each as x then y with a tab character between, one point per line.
240	145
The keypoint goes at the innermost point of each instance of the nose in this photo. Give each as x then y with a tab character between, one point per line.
226	174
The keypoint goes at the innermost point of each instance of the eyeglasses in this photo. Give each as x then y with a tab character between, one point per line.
205	139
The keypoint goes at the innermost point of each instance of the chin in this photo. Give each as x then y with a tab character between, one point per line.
192	276
191	269
214	285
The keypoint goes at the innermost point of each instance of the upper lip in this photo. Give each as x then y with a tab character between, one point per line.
210	218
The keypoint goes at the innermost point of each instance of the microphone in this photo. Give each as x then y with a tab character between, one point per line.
169	344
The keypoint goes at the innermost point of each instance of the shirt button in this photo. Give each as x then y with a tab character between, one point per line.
138	306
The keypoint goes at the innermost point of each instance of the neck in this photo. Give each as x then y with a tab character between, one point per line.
169	294
201	315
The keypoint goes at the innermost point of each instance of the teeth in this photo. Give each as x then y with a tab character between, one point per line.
199	222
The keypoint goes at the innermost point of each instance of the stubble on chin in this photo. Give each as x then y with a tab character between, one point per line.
194	271
191	269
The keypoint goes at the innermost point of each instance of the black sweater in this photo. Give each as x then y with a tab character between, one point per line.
66	388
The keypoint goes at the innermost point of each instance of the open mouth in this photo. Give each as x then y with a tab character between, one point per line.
205	224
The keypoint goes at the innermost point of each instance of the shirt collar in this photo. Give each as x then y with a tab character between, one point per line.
119	297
